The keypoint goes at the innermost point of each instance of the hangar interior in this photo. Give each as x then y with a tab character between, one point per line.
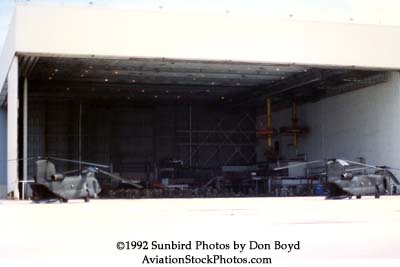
202	127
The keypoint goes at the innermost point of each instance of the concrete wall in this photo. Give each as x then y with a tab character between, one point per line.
362	123
132	137
3	153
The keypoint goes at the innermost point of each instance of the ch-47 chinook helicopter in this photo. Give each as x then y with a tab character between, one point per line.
50	185
345	178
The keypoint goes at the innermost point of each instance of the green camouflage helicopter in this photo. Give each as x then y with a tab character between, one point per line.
344	179
50	185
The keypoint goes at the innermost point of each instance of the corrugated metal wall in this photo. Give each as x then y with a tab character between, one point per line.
136	139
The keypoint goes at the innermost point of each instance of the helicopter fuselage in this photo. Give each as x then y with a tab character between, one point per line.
359	185
83	186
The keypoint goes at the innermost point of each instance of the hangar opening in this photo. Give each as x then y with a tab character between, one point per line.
182	128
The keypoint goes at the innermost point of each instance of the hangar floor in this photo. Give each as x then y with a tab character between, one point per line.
330	232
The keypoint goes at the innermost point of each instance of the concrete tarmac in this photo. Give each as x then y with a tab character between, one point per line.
319	231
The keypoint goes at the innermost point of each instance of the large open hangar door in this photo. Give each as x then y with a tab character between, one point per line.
151	119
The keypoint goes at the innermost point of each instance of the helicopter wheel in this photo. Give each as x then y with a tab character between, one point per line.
377	194
358	197
87	198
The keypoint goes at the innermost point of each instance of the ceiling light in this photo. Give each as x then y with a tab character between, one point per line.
178	96
86	71
53	74
82	75
55	70
116	72
278	69
213	83
90	67
50	78
222	97
67	88
167	91
282	78
142	91
106	80
305	70
133	81
156	96
238	84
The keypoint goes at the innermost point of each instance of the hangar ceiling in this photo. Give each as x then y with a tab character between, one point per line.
239	83
161	71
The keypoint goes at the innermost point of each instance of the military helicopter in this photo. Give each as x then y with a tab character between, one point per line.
344	179
50	185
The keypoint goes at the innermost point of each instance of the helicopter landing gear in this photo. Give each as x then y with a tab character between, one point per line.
87	198
377	194
350	197
358	197
63	200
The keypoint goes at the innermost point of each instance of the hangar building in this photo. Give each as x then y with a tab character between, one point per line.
144	89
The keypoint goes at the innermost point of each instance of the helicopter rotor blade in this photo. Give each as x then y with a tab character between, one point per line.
364	165
357	169
298	165
342	162
28	158
388	168
62	160
135	184
79	162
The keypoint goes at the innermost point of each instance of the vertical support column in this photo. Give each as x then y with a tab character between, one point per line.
80	137
190	136
12	131
25	137
269	122
294	123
